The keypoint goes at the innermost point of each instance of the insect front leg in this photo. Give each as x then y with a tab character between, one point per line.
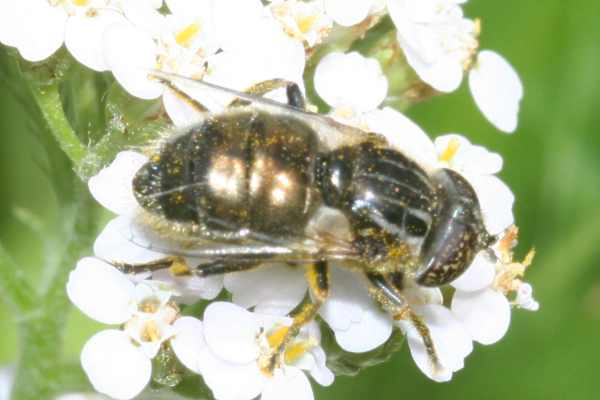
317	276
384	289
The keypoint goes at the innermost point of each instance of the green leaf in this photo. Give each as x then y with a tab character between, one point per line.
344	363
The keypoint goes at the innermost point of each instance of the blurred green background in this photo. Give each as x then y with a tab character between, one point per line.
552	164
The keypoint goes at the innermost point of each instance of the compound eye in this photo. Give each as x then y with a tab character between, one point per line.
448	257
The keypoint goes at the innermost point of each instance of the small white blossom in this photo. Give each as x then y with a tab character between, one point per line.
440	44
481	300
233	347
348	13
37	28
304	21
351	84
118	362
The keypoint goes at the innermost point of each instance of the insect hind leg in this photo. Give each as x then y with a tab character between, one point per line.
385	291
317	276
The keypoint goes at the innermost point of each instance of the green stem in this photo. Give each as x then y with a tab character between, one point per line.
48	100
39	374
13	284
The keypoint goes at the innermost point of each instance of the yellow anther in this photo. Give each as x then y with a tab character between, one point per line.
81	3
184	36
296	350
306	22
450	150
150	305
150	333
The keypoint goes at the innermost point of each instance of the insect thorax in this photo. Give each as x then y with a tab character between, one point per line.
428	226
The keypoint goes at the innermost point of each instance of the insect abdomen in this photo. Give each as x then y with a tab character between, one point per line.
235	171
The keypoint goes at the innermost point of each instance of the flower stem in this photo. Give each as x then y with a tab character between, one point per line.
48	100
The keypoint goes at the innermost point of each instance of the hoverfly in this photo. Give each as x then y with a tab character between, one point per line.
260	182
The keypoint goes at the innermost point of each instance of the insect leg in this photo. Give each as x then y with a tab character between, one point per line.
385	291
221	267
317	275
195	104
295	97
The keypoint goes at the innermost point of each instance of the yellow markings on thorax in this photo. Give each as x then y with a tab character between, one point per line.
184	37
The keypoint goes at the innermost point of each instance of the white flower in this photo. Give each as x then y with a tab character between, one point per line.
112	188
234	345
440	44
37	28
304	21
251	45
179	42
118	362
476	164
348	13
481	300
351	84
357	321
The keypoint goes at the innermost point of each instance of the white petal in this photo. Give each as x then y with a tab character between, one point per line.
7	376
289	384
348	299
84	37
181	113
348	13
320	373
350	80
444	74
272	288
403	135
190	289
11	26
233	26
230	332
478	276
130	54
497	90
451	341
374	329
188	342
42	31
486	314
469	158
114	365
231	381
100	291
114	244
496	201
112	186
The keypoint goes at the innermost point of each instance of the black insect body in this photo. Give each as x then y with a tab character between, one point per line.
255	176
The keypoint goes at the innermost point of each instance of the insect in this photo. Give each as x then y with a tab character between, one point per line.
263	182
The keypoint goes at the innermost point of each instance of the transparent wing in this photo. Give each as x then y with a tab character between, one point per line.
215	98
318	242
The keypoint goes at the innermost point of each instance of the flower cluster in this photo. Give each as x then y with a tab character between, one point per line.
237	44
